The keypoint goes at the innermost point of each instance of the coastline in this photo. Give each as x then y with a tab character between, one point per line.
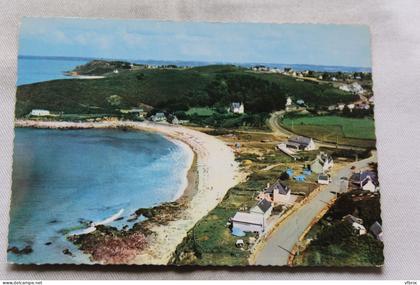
206	182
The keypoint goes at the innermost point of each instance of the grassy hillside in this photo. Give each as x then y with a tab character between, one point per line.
172	89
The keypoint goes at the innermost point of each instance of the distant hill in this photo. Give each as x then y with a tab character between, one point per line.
172	89
101	67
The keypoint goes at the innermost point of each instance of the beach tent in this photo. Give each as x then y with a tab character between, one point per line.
290	172
307	172
299	178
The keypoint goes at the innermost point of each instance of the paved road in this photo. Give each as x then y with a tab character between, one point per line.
278	129
276	250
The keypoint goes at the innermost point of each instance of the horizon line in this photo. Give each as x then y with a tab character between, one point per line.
185	61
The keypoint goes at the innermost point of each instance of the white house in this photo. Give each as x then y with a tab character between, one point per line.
354	88
237	108
303	143
341	106
248	222
365	180
288	101
159	117
40	112
324	179
263	207
300	102
351	106
368	185
175	121
322	163
116	71
361	230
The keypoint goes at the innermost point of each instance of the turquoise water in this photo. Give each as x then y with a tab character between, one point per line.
61	178
37	69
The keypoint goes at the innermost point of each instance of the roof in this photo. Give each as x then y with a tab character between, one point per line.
323	177
352	219
248	218
361	177
159	115
279	187
264	205
292	144
300	140
376	228
136	110
236	104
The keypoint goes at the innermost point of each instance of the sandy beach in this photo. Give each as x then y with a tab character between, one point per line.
216	169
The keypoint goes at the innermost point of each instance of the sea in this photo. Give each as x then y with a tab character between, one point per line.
63	179
32	69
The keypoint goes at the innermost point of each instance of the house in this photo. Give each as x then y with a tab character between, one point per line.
159	117
263	207
237	108
278	193
248	222
356	223
351	107
324	179
365	180
300	102
302	143
368	185
288	101
175	120
376	230
354	88
360	229
362	106
322	163
352	219
116	71
134	111
341	106
331	108
40	112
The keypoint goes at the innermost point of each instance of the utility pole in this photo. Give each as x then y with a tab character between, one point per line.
336	142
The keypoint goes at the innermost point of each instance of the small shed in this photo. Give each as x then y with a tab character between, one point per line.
247	222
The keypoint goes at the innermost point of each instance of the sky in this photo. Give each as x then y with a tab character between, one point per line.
316	44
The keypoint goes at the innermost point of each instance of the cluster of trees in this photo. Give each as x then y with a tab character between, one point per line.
258	95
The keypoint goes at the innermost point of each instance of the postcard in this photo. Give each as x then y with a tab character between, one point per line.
194	143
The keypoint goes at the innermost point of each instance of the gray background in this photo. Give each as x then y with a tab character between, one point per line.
396	73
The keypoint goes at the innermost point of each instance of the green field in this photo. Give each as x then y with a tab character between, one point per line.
343	130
